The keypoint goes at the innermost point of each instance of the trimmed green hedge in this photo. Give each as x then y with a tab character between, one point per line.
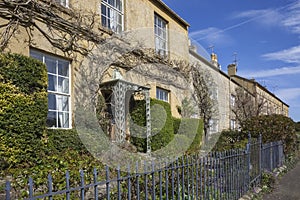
163	134
176	124
186	128
23	110
196	144
166	134
28	74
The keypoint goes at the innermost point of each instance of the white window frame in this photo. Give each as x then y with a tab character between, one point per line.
213	126
233	124
232	100
64	3
214	93
58	94
162	94
115	13
160	35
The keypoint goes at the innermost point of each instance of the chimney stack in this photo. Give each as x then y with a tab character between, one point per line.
232	69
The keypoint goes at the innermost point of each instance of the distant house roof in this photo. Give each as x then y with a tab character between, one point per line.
170	12
261	87
208	63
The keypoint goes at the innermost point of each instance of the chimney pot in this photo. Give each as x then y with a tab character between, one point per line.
214	60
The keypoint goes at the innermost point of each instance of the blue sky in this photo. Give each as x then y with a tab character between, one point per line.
264	35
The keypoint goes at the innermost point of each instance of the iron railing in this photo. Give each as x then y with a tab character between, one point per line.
218	175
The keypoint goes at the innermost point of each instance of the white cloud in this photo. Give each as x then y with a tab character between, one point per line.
292	18
212	36
266	17
288	94
291	55
272	72
287	16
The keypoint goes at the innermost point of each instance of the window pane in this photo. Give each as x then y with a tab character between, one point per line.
103	9
120	19
119	5
119	29
51	82
63	120
62	103
63	68
162	94
160	28
51	101
164	36
63	85
112	2
51	119
111	15
60	119
36	55
57	68
66	120
51	65
108	13
65	104
64	2
103	21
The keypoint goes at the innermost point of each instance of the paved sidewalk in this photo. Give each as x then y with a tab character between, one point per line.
288	187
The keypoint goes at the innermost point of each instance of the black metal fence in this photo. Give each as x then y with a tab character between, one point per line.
218	175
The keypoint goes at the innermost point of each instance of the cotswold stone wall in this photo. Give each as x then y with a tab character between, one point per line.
224	87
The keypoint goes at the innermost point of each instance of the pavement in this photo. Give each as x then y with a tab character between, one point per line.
288	186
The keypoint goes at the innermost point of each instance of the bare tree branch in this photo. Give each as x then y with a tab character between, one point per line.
66	28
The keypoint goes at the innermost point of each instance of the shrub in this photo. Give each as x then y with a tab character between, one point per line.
273	128
138	117
196	144
268	181
231	139
176	124
23	109
61	140
163	135
27	148
186	127
28	74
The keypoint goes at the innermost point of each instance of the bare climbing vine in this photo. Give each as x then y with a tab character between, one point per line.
75	31
65	29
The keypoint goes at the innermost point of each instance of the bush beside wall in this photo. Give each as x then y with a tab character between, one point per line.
23	110
273	128
159	140
186	127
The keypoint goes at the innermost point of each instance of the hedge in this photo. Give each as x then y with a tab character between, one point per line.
28	74
171	126
23	109
231	139
27	147
186	128
163	135
273	128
